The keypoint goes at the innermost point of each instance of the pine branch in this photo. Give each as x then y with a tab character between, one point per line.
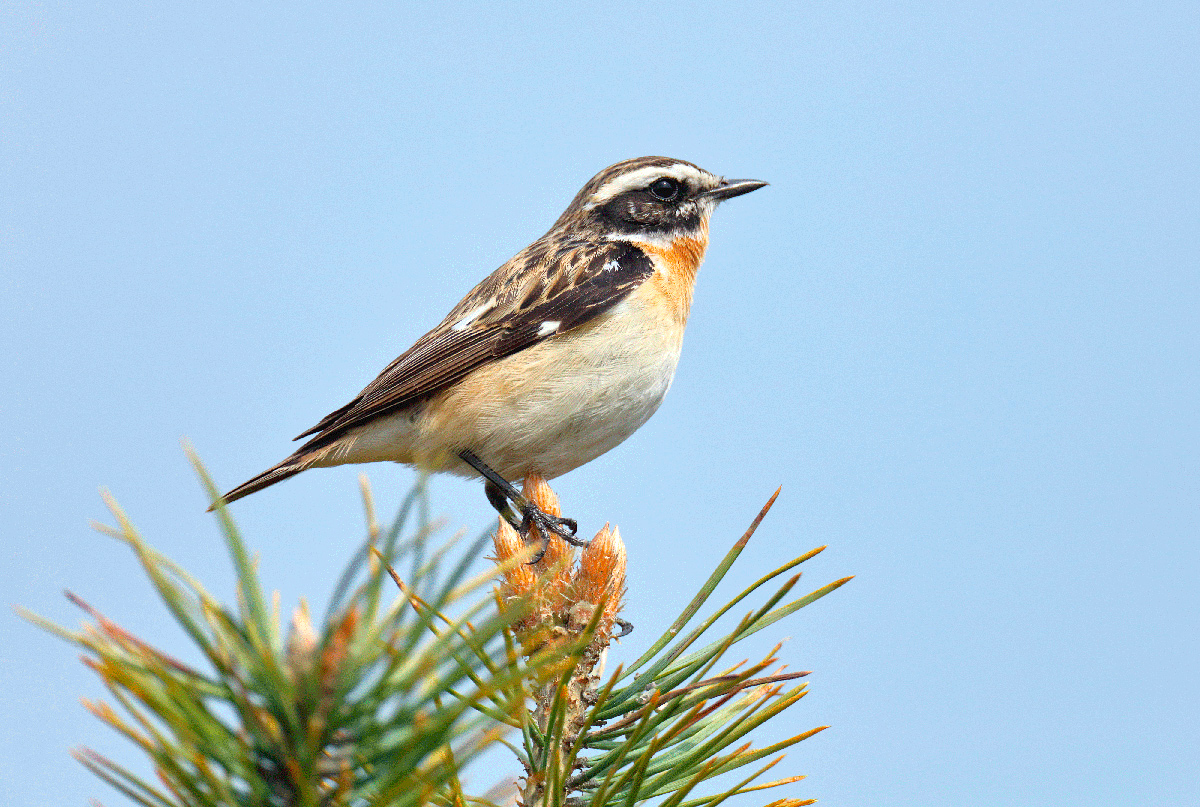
410	676
665	730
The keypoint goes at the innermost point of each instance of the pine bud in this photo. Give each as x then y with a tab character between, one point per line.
555	565
301	642
600	581
519	577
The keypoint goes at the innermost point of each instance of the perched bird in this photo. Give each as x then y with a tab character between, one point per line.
555	358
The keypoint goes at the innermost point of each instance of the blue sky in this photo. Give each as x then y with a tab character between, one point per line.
960	328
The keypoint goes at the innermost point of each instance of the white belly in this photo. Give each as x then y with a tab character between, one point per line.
548	409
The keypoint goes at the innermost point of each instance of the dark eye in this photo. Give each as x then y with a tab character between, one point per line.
665	189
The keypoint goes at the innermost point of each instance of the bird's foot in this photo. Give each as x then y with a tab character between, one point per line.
508	501
565	528
547	524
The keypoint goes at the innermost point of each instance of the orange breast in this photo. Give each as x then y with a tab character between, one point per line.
678	263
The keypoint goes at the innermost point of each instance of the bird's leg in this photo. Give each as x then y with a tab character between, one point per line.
499	500
500	492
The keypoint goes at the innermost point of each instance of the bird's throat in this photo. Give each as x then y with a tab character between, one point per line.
677	261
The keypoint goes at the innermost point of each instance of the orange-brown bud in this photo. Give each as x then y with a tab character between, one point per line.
555	565
301	641
601	576
337	648
519	577
538	491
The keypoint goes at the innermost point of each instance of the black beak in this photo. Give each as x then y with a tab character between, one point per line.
730	188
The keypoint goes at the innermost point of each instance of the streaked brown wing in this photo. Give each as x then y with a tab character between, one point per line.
570	285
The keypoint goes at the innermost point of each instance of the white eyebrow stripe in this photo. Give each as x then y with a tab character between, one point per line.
643	176
473	315
549	327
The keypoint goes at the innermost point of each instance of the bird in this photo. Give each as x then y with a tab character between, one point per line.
553	359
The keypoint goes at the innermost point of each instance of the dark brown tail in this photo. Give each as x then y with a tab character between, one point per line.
289	467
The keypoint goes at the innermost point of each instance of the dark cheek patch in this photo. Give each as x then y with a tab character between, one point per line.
630	213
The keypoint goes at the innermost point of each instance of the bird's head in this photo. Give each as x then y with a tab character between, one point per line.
652	199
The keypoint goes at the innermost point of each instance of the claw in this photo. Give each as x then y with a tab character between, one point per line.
504	497
564	528
541	553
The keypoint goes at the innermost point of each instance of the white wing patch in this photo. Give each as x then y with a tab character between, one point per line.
549	327
473	315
